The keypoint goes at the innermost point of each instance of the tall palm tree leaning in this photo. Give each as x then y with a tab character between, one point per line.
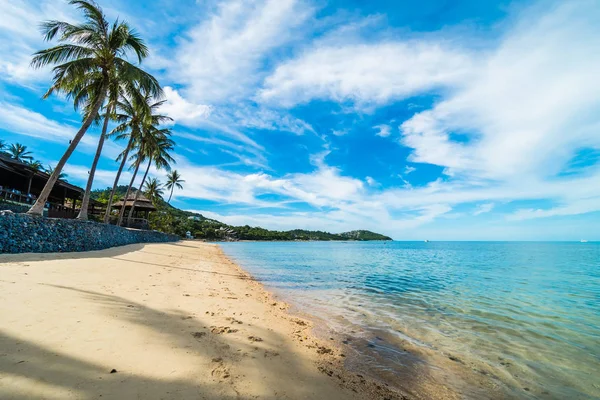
153	189
119	87
136	111
155	146
20	152
173	180
90	52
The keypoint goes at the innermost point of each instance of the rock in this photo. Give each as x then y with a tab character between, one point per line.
21	233
113	371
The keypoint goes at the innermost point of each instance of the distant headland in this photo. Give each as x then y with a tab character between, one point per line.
169	219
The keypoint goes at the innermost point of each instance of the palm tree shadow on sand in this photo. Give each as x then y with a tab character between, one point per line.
23	360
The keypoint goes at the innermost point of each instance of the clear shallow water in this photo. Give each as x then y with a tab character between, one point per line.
524	315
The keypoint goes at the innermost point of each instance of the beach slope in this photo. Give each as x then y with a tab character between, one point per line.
156	321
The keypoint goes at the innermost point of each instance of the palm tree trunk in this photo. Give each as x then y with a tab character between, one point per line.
88	189
171	195
38	207
122	212
114	189
138	192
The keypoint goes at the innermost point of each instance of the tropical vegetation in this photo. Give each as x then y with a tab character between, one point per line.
20	153
170	219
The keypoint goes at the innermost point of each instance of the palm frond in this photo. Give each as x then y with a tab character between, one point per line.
59	54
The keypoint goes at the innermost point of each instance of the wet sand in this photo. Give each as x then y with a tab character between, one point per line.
158	321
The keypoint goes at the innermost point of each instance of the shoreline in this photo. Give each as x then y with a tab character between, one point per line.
427	372
173	320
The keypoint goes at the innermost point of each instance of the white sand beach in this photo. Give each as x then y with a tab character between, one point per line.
175	321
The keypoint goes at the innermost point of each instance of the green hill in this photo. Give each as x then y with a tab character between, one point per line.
169	219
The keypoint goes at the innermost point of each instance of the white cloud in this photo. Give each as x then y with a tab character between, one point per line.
103	178
182	111
383	130
249	155
221	59
371	181
528	108
365	73
263	118
340	132
483	208
575	207
20	38
408	169
23	121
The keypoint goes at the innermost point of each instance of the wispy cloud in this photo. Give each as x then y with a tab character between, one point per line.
365	74
383	130
221	59
20	38
483	208
519	102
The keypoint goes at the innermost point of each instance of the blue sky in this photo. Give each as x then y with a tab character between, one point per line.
438	119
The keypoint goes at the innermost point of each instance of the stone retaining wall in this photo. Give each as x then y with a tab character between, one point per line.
20	233
17	208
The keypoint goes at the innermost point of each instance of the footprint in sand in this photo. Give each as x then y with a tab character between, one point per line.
220	371
222	329
254	339
324	350
270	354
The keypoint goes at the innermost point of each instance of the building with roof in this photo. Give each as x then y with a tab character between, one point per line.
21	184
141	211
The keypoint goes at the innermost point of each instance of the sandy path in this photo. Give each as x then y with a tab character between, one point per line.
176	321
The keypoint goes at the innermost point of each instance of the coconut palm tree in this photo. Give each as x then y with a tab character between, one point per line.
135	111
37	165
173	180
62	176
93	51
20	152
156	146
2	145
153	189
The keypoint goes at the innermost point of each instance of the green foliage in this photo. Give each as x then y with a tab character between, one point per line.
173	181
102	195
20	152
169	219
153	189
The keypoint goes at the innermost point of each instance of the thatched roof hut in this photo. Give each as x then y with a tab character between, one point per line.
143	207
142	204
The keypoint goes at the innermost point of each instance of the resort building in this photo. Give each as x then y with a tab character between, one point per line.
21	184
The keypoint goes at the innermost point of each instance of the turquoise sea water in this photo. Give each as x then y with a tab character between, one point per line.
524	316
